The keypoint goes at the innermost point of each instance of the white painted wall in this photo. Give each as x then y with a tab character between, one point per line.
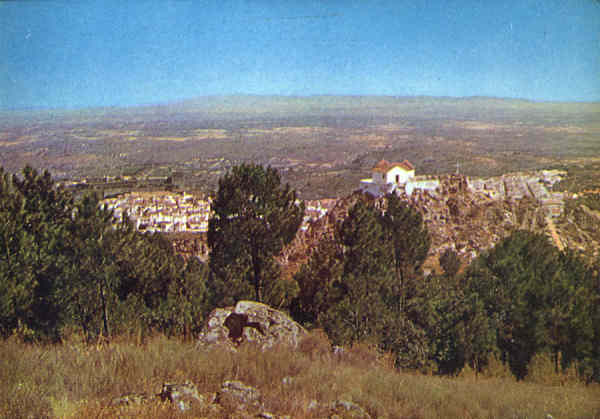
399	173
424	185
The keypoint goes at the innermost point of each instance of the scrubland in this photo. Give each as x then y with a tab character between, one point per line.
73	379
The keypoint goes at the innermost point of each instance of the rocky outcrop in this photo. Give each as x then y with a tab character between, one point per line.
237	396
131	399
234	399
183	396
347	409
457	216
252	322
268	415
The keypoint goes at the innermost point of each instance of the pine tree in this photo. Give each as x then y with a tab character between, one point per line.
318	280
187	300
254	216
450	263
33	214
527	288
410	239
360	312
368	285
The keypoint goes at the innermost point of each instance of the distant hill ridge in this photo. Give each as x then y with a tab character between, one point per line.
439	107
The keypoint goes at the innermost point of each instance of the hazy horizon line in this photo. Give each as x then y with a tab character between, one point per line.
174	102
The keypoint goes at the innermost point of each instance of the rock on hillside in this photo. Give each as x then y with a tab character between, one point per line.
250	321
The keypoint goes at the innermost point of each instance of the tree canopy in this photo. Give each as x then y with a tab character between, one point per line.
254	217
537	299
366	283
360	311
71	264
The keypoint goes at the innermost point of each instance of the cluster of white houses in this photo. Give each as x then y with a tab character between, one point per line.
167	212
535	186
163	212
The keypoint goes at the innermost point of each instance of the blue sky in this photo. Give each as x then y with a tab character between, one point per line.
70	54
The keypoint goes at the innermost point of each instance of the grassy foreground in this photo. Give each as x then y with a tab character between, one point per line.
75	380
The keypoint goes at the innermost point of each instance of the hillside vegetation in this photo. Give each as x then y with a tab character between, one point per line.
77	285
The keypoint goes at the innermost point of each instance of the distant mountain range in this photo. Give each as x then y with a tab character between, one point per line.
244	106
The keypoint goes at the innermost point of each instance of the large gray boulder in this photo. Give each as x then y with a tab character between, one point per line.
253	322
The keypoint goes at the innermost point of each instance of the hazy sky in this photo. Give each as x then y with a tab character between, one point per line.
103	53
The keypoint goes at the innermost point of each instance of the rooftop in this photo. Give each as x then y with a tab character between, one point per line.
384	166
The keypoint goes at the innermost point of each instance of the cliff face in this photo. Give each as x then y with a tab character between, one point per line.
457	217
579	229
470	222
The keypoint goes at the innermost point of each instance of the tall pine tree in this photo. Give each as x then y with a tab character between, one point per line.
254	216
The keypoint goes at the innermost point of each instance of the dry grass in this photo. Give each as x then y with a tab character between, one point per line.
77	380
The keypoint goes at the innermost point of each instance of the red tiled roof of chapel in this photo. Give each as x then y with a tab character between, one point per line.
406	165
384	166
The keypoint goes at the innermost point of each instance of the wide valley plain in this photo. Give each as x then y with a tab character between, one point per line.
322	145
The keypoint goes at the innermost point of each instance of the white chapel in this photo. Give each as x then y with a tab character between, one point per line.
386	177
